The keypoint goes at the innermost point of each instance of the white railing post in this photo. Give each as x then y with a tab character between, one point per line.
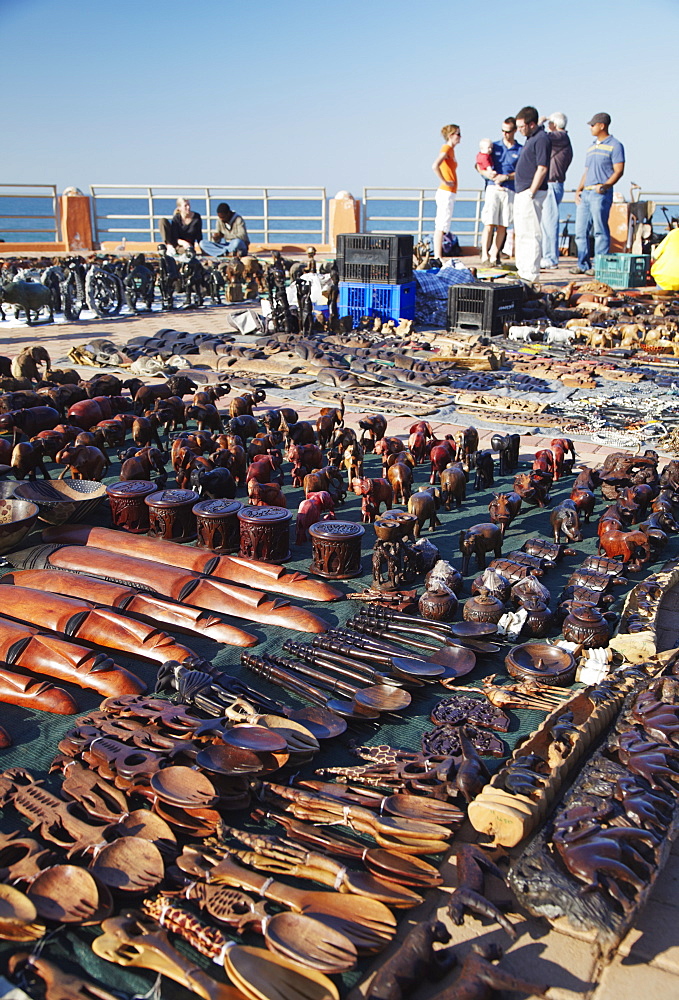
151	214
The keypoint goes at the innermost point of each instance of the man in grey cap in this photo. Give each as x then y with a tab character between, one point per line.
604	166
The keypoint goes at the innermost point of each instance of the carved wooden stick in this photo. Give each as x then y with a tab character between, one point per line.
40	653
15	689
132	602
82	620
180	585
235	569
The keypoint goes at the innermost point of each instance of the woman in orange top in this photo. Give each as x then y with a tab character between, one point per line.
445	168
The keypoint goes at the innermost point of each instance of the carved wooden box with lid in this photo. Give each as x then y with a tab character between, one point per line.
171	515
265	533
128	510
217	525
336	548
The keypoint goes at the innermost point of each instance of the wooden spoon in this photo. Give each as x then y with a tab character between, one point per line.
401	868
283	860
16	906
292	935
383	698
322	724
229	760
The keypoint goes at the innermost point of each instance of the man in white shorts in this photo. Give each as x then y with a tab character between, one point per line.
497	213
445	168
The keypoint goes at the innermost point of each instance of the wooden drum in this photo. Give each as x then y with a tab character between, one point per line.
128	510
265	533
336	548
171	515
217	525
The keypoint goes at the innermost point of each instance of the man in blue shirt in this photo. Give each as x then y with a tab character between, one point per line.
497	211
530	184
604	166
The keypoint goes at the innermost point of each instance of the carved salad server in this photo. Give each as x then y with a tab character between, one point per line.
280	855
403	869
370	924
136	941
207	693
57	984
292	935
364	820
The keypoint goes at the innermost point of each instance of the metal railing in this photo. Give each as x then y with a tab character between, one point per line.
413	210
29	213
272	214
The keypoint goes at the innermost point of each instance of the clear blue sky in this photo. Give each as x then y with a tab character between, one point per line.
341	95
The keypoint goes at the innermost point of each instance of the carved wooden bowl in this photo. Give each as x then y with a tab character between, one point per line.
541	662
61	501
17	517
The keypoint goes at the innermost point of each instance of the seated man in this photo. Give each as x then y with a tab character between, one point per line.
665	262
184	230
230	235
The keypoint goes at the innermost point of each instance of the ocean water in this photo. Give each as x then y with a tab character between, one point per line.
290	220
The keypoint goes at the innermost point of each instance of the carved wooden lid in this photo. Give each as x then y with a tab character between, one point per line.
172	498
264	515
132	488
336	530
216	508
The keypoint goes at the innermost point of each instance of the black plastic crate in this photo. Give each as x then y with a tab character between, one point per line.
385	260
483	308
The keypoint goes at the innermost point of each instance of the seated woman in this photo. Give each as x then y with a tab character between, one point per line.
665	263
230	235
184	230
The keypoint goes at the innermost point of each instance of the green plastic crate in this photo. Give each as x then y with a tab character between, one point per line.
622	270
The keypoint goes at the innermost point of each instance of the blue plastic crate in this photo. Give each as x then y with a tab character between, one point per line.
357	299
622	270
